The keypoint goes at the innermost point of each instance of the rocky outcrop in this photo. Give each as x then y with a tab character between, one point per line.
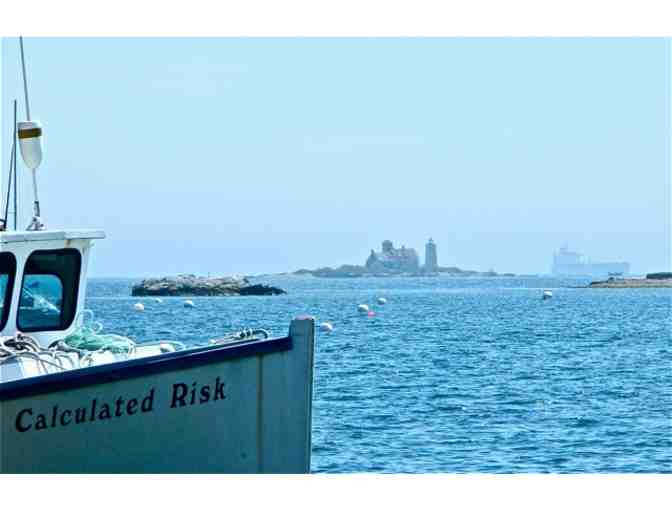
191	285
261	290
632	283
351	271
344	271
659	276
391	261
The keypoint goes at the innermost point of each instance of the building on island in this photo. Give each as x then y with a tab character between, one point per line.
393	260
431	258
402	260
571	263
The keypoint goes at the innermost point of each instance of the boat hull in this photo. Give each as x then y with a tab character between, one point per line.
241	408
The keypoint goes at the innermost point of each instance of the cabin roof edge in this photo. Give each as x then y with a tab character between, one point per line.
19	236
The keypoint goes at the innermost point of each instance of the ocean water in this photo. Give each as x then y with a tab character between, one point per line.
457	375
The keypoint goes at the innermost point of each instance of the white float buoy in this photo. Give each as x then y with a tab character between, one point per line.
189	303
326	327
547	294
30	143
139	307
158	300
363	308
382	300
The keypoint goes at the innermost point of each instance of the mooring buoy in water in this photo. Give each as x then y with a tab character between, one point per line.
139	307
189	303
371	313
158	300
547	294
363	308
382	300
326	327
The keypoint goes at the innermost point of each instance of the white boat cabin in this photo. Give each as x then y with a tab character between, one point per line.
43	281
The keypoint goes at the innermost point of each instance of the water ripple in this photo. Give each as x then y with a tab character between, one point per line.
458	374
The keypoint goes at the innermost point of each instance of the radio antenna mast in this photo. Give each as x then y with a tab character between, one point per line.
30	141
16	177
25	80
12	177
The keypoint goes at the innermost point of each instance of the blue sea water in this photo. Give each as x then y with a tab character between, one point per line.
457	374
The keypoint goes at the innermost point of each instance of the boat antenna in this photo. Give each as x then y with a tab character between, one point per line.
12	155
12	177
25	80
30	141
16	177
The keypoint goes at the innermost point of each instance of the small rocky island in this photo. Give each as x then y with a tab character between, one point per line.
652	281
191	285
391	261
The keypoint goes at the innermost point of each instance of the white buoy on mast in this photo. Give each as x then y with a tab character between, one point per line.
30	142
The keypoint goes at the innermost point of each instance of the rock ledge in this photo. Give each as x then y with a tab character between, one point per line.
632	283
191	285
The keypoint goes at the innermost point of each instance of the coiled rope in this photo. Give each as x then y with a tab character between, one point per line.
25	346
88	337
87	341
245	334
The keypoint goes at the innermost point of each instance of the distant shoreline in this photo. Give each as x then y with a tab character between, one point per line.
632	283
353	271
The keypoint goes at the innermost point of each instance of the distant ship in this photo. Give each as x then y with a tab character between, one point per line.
570	263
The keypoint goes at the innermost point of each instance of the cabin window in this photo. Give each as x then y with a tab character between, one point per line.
7	274
49	291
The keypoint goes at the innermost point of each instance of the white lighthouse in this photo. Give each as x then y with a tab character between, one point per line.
431	258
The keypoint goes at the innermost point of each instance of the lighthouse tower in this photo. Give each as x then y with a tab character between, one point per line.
431	258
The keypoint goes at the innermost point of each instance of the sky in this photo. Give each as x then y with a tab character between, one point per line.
251	156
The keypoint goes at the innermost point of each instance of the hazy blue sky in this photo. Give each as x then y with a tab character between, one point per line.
265	155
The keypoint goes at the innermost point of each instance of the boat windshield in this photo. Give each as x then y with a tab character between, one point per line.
49	291
7	273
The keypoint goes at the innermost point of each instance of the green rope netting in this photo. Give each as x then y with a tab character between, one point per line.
88	337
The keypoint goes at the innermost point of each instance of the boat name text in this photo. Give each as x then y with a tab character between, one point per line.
181	395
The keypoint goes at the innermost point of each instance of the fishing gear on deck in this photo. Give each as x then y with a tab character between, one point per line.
78	349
